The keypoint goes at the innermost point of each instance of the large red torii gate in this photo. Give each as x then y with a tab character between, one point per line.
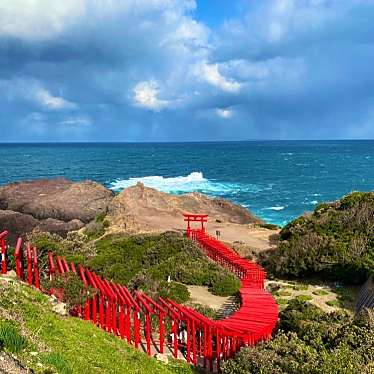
189	217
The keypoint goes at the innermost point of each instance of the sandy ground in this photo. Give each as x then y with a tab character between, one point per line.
243	238
201	295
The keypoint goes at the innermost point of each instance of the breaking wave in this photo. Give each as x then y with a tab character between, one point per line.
194	182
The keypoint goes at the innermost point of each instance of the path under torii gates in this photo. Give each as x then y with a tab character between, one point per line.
156	325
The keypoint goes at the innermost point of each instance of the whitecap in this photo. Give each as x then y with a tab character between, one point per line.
276	208
194	182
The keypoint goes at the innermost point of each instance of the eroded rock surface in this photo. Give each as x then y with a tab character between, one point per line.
140	207
56	205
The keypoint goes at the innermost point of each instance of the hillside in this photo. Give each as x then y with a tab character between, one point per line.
47	342
335	241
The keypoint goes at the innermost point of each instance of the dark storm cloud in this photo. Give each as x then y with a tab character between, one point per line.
147	70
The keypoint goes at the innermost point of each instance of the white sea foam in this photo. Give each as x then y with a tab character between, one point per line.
190	183
275	208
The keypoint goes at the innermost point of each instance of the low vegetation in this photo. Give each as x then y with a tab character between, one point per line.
144	262
311	341
47	343
336	241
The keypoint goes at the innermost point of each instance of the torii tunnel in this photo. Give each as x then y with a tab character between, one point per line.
156	326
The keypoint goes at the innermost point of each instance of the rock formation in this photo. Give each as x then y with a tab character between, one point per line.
144	208
56	205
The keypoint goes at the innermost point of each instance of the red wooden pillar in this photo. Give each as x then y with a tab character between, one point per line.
128	323
29	263
210	349
18	258
121	321
188	340
3	252
205	345
218	350
161	331
136	328
148	332
36	269
114	317
175	333
108	307
101	311
194	357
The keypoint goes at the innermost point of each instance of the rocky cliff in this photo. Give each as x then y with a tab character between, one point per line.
56	205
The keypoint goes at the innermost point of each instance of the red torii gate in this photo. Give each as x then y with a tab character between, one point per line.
189	217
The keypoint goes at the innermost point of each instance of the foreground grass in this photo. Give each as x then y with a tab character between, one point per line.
69	345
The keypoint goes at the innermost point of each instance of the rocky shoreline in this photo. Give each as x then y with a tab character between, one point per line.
59	206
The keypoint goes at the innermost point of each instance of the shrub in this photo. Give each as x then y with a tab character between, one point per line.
94	230
310	341
174	291
10	338
74	291
147	261
226	286
336	242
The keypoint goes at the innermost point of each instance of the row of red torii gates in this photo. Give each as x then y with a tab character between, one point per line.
155	325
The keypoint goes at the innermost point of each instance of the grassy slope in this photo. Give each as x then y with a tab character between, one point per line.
67	344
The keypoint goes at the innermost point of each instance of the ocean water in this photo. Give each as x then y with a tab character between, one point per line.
277	180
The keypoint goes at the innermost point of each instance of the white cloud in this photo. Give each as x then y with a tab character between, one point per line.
145	95
38	19
34	91
211	74
76	121
224	113
46	19
47	100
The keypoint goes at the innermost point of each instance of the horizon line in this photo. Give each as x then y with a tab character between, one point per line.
184	142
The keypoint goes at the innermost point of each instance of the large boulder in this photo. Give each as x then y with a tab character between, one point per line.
143	208
57	199
19	224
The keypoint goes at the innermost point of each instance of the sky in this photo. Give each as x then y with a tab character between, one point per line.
186	70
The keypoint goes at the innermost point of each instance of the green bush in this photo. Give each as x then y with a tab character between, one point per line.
336	242
225	286
311	341
145	262
75	293
175	291
10	337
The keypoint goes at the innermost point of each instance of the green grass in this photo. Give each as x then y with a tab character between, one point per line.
282	301
301	287
70	345
282	293
333	303
320	292
10	337
303	297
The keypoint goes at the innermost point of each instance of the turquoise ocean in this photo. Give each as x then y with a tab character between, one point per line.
277	180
